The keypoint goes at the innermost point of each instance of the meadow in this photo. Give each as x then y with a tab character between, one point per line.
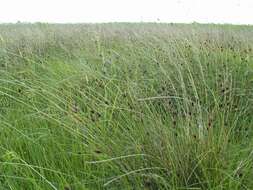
126	106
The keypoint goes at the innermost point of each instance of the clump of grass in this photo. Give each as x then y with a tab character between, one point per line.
126	106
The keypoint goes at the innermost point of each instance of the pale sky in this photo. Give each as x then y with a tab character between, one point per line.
72	11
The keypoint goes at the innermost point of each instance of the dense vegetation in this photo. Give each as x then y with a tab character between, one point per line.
126	106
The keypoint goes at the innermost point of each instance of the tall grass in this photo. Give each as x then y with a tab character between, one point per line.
126	106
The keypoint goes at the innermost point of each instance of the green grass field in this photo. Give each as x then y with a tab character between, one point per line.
126	106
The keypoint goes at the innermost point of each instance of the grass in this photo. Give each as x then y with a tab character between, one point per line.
126	106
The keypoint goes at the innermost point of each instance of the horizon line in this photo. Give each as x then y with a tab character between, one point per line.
127	22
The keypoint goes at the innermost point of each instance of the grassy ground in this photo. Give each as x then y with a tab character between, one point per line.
126	106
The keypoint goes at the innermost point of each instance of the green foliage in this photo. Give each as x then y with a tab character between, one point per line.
126	106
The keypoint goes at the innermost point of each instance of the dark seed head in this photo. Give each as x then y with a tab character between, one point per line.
240	174
98	151
67	188
93	119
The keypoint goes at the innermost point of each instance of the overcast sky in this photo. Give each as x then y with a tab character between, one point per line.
65	11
